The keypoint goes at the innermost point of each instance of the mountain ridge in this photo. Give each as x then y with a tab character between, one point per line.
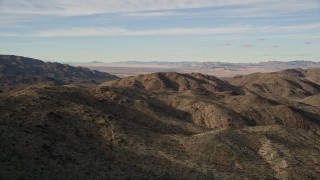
20	70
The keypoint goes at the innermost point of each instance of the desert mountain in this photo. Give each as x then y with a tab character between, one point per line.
290	83
224	106
21	70
172	81
158	126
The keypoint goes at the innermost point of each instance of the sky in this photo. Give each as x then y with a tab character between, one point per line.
161	30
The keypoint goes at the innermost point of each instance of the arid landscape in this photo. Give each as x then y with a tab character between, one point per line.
218	69
159	89
64	122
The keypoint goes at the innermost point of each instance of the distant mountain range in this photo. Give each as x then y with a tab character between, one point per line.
297	63
219	69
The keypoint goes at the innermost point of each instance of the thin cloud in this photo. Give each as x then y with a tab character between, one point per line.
268	8
272	46
248	46
203	39
74	32
127	32
7	34
301	36
153	14
298	55
286	29
89	7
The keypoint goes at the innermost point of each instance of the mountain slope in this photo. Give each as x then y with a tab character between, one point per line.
313	75
163	125
312	100
225	106
291	83
268	150
21	70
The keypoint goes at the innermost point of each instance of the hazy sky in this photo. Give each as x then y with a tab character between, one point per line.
171	30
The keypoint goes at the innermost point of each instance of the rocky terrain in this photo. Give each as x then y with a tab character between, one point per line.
164	126
17	70
291	83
